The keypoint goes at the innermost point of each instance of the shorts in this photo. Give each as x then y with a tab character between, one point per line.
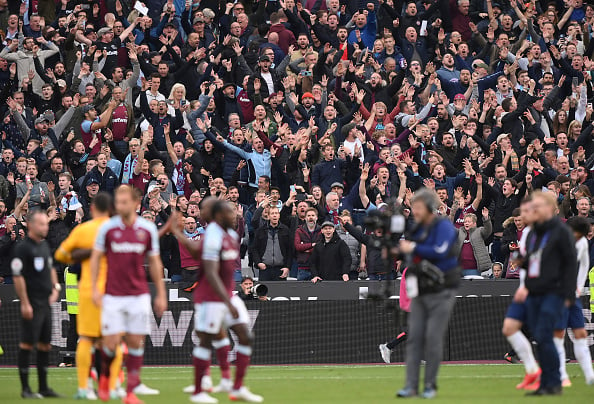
39	328
126	314
516	311
88	320
572	317
210	317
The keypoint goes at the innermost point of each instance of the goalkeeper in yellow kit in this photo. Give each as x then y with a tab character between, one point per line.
77	248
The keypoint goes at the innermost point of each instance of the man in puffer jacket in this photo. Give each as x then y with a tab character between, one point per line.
474	257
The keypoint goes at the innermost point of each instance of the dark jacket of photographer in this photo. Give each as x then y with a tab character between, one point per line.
330	260
375	263
281	233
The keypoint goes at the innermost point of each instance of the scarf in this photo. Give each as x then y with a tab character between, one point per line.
515	162
178	177
334	214
128	170
198	232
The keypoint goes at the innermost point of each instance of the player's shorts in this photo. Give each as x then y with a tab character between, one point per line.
39	328
210	317
516	311
88	320
126	314
572	317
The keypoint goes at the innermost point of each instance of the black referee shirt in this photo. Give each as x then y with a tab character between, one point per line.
33	261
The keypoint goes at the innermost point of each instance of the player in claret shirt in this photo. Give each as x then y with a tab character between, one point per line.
127	241
217	307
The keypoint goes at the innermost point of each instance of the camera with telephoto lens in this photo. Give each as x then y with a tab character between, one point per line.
259	290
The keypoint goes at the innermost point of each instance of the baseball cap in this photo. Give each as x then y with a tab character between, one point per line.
151	188
307	95
40	119
337	184
103	31
327	223
49	115
87	108
264	58
483	65
61	83
502	136
228	85
459	97
198	19
92	181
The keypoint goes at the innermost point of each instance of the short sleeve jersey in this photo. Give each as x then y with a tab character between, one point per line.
33	261
219	245
126	249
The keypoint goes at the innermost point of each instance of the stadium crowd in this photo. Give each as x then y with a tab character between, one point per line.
306	115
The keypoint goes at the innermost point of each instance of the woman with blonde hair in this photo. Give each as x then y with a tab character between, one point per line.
574	130
177	99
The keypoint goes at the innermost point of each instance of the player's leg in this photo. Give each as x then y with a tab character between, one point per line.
208	321
512	330
239	326
113	324
114	373
580	345
582	353
221	345
84	359
134	361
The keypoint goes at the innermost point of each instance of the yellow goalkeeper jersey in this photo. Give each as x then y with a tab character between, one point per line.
83	237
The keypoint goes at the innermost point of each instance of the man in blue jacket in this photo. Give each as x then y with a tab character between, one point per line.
365	28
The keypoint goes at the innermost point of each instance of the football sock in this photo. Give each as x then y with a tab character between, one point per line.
42	364
584	357
242	362
522	346
133	365
24	358
116	366
222	350
83	361
201	360
561	351
106	360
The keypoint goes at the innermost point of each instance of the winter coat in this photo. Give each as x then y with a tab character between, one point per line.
478	235
330	260
303	244
261	240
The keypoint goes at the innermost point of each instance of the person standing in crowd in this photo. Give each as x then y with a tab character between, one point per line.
306	238
432	244
331	258
37	287
551	279
474	256
272	249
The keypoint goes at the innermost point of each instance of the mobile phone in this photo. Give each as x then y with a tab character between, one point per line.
292	187
574	81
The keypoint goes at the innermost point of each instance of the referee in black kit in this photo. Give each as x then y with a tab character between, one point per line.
37	286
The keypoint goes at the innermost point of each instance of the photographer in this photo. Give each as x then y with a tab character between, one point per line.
248	291
431	282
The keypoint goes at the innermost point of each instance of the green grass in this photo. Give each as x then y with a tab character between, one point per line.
330	384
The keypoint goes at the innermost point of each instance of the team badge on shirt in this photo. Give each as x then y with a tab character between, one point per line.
39	263
117	234
140	235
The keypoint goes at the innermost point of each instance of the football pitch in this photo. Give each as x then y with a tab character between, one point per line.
328	384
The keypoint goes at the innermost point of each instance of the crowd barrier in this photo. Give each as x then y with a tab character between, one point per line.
333	322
